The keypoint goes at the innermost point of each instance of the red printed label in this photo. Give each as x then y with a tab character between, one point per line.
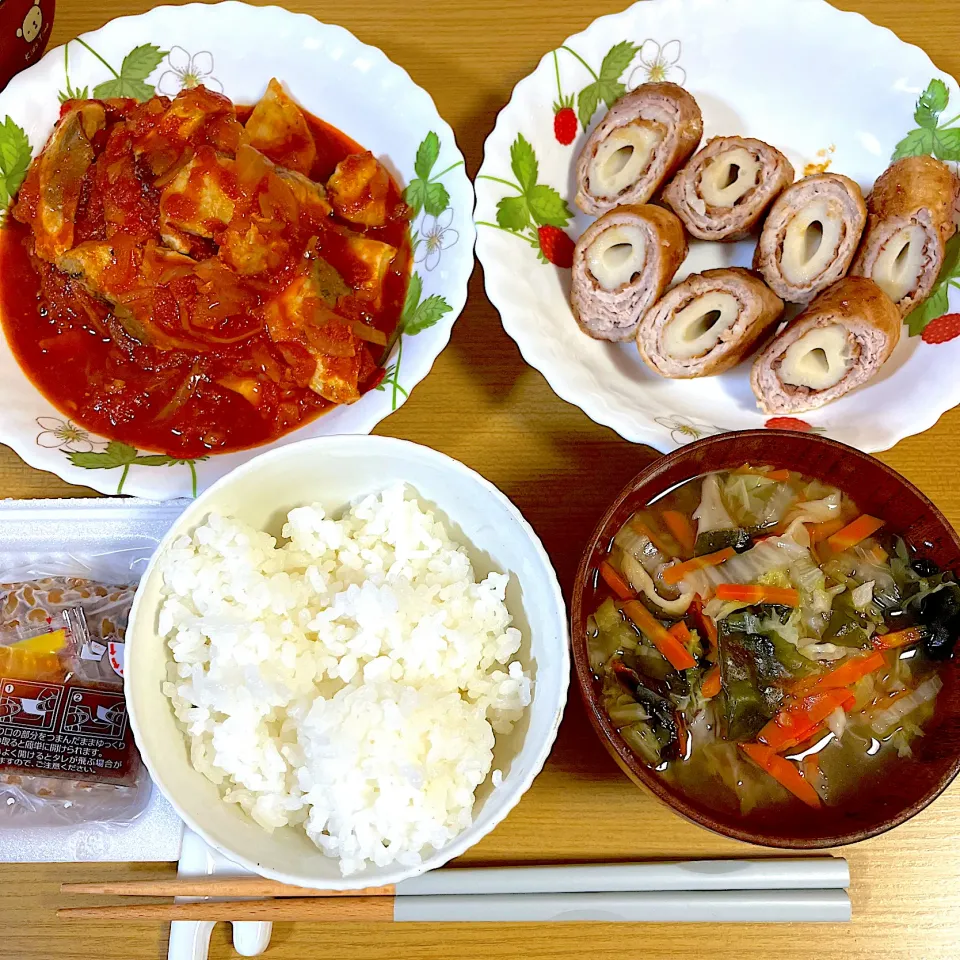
65	730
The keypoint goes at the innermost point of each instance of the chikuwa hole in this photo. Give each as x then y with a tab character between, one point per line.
617	255
812	239
818	357
702	324
618	160
902	256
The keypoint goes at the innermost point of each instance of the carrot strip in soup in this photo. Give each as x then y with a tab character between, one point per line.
668	645
795	723
878	555
861	528
846	675
783	771
711	682
778	475
754	593
821	531
707	627
680	631
673	575
899	638
679	525
620	588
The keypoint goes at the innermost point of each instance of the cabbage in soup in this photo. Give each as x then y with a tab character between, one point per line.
759	641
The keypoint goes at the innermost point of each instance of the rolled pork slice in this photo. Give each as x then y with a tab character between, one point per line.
911	217
621	265
810	236
645	137
835	345
707	323
727	187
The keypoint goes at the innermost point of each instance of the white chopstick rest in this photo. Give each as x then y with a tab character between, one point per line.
717	906
781	873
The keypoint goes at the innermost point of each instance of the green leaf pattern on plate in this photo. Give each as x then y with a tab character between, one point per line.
429	200
128	81
938	303
933	101
941	140
538	204
606	85
137	65
425	192
14	160
91	453
71	92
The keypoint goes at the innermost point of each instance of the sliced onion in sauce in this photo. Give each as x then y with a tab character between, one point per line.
370	334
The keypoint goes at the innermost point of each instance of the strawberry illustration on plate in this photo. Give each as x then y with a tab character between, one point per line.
564	118
564	121
556	246
791	423
942	329
534	212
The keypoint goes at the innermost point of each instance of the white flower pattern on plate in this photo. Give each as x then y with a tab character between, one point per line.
186	71
685	430
57	434
436	235
658	64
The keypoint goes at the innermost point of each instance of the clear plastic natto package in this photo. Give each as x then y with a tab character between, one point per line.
66	750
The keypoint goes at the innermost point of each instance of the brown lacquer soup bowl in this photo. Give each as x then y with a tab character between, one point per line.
908	784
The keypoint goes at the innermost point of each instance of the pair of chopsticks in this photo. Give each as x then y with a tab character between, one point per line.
766	890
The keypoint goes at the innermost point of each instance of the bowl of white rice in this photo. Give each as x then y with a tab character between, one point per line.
347	661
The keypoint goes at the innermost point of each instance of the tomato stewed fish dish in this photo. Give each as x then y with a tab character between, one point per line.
759	641
194	277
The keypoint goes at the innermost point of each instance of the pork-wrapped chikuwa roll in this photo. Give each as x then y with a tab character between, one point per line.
707	323
621	266
645	136
810	236
836	344
727	187
911	217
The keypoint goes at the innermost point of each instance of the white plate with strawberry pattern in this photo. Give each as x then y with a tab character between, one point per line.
235	48
828	88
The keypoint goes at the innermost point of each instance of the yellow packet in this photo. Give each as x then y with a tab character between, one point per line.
52	642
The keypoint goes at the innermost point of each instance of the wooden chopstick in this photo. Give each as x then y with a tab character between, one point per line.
334	910
764	890
769	873
214	887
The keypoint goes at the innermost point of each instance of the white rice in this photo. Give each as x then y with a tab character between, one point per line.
350	680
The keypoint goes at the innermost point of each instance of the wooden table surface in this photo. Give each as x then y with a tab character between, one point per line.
484	406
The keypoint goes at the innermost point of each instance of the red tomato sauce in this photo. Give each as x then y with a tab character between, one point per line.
169	400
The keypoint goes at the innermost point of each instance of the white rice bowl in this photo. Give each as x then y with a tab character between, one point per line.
336	472
351	680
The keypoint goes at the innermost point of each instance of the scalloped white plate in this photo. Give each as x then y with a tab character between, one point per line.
822	85
237	48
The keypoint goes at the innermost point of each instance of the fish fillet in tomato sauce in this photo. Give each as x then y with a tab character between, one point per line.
193	277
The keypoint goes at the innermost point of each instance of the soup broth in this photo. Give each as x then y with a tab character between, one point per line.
761	643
